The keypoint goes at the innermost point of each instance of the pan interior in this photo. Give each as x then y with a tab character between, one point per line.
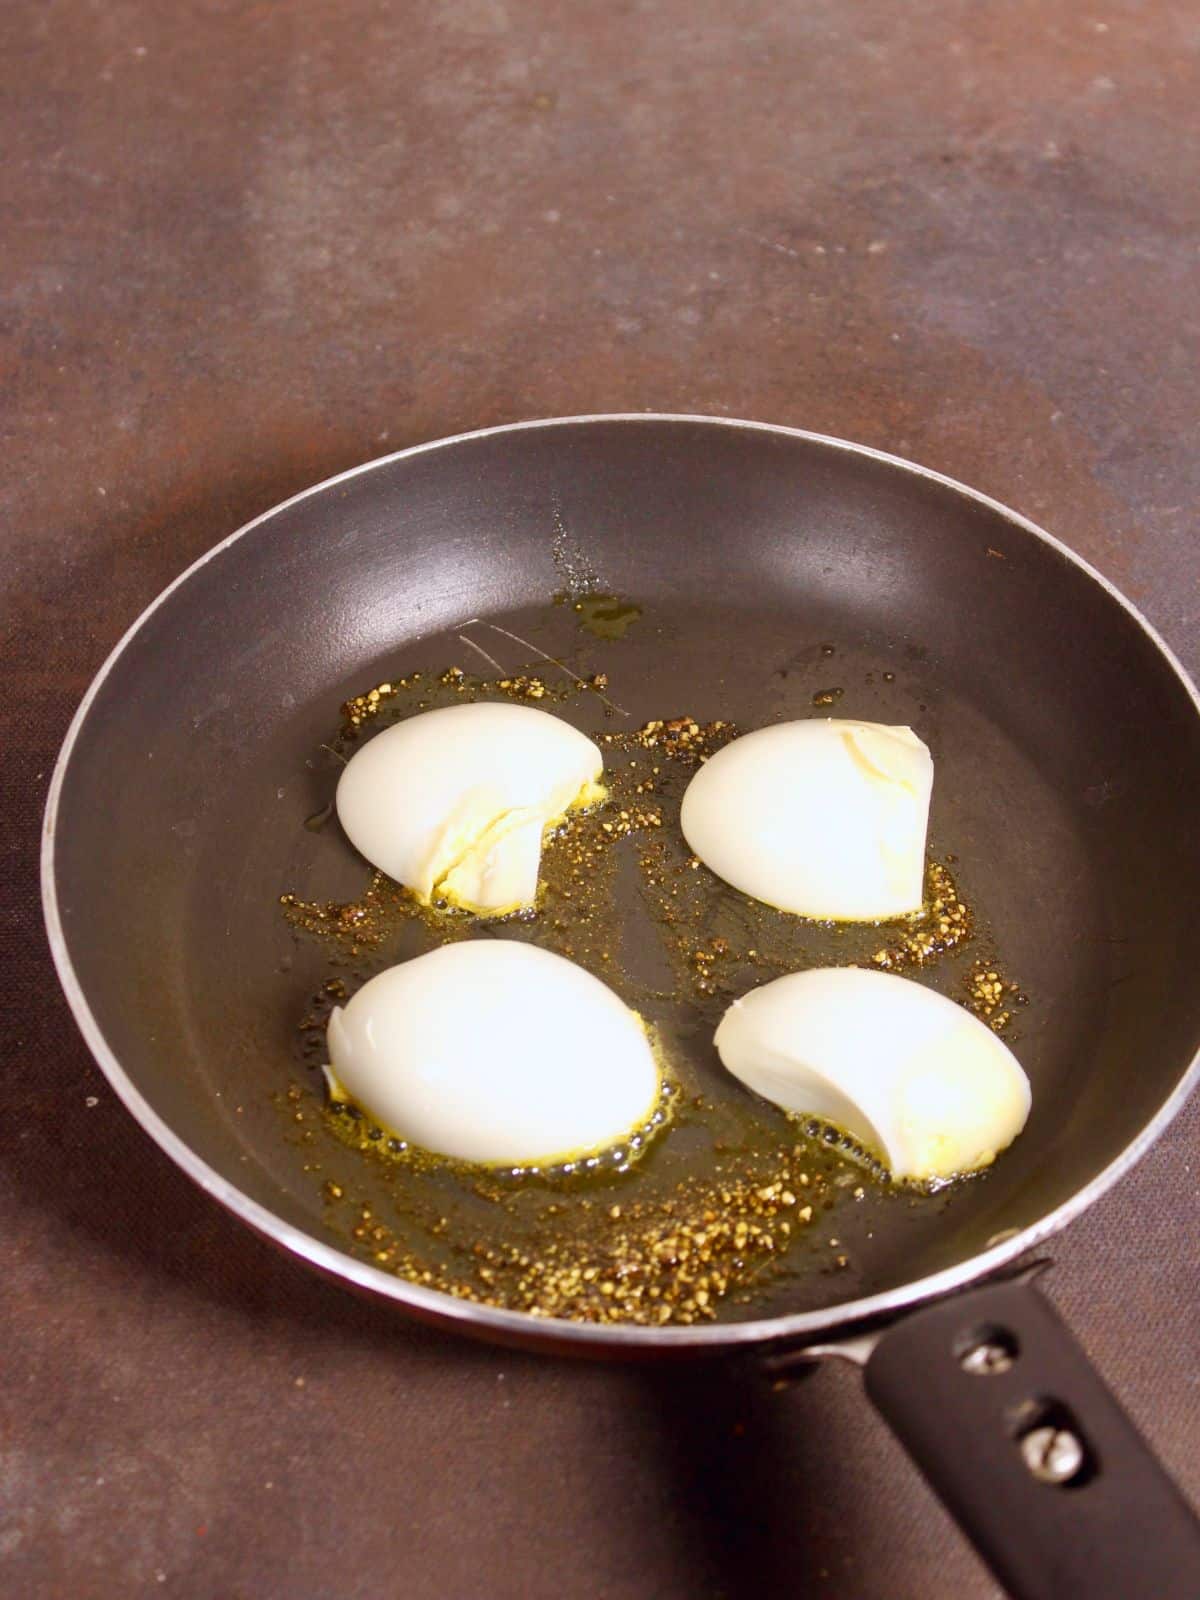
1066	752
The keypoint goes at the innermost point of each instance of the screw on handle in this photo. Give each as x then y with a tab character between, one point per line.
988	1356
1053	1455
1052	1449
1030	1451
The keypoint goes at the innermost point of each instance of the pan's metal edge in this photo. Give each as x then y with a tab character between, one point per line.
513	1326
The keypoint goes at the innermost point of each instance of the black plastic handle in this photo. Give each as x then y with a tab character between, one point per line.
1004	1414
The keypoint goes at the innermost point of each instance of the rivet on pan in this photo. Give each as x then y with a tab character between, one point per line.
1053	1455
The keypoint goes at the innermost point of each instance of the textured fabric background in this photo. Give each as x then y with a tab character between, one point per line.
246	245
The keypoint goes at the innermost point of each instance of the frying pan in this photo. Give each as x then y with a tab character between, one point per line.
1067	742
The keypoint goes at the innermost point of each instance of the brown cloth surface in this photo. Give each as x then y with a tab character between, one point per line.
246	245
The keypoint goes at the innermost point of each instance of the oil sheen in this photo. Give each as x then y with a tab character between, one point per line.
720	1201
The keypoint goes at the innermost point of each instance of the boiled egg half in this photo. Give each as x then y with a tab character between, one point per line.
823	818
495	1051
918	1080
455	803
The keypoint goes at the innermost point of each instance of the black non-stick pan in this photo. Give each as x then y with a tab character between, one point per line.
1067	748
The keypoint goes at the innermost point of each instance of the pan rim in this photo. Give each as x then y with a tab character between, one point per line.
796	1328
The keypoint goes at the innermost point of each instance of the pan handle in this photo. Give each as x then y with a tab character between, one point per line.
1002	1411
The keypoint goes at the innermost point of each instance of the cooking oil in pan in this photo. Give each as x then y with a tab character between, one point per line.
670	1229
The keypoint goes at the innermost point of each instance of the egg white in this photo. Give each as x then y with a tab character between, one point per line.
455	803
495	1051
918	1080
823	818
